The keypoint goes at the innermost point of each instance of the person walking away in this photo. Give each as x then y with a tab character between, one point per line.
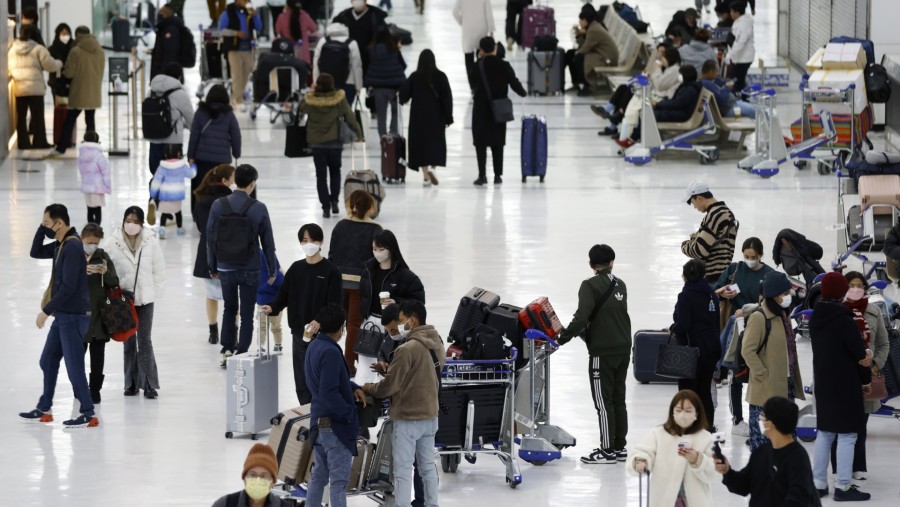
309	285
139	261
698	51
599	50
67	300
477	21
496	76
514	11
216	184
85	68
339	56
232	252
430	113
215	136
27	60
167	48
59	49
241	17
101	276
259	475
841	375
298	26
362	21
678	455
266	293
384	77
741	52
714	241
168	187
603	322
276	9
334	419
95	176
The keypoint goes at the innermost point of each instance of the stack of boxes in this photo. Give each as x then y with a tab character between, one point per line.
836	67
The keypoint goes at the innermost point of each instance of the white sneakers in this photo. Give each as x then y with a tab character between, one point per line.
741	429
225	357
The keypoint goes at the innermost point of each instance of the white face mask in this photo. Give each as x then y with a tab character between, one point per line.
751	263
762	427
65	38
89	249
381	255
358	5
132	229
684	419
785	301
404	331
311	249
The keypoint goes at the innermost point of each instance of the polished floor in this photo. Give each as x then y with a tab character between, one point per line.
521	241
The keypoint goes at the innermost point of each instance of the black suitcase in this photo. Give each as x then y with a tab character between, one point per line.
643	356
404	37
121	34
489	403
473	310
505	318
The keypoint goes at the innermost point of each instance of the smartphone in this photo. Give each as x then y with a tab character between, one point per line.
717	451
734	288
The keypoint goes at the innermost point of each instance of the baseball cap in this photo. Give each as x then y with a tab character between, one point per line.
695	188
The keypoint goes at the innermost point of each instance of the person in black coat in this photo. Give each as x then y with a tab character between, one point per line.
59	49
841	374
487	132
430	114
696	323
167	48
387	272
681	106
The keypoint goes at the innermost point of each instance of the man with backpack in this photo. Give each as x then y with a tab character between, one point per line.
339	56
237	225
174	42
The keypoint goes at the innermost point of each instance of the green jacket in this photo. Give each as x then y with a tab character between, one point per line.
609	332
323	110
97	286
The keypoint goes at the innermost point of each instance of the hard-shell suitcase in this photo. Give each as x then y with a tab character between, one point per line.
121	34
473	310
534	147
363	179
361	465
643	356
59	120
879	189
546	72
251	389
539	314
393	153
290	440
537	20
487	403
505	318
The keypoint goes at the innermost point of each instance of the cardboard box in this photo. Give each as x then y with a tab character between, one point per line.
847	56
839	80
774	77
815	61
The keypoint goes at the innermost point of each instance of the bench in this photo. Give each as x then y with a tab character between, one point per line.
743	125
633	51
695	120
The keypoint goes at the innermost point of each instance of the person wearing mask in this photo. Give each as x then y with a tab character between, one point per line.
841	374
714	241
59	49
599	50
85	69
477	21
339	56
309	285
494	77
27	61
384	77
684	24
296	25
362	21
430	113
412	383
387	271
215	136
741	52
66	299
778	473
237	265
770	351
665	80
215	185
697	51
167	48
603	323
350	248
240	17
324	108
678	455
101	276
259	475
725	100
696	323
723	12
30	18
135	251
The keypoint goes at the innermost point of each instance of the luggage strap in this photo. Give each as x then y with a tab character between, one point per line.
437	372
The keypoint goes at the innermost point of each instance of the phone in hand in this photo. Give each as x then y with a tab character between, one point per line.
717	451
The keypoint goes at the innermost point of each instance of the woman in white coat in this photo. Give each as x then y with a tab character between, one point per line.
477	20
27	61
138	258
678	456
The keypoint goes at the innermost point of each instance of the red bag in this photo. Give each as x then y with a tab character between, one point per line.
539	314
119	315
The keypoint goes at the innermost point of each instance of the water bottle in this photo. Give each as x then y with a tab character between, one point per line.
298	49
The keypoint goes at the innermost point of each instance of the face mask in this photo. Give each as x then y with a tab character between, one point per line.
89	249
762	427
786	301
49	233
132	229
684	419
381	255
232	187
855	293
311	249
65	38
358	5
751	263
257	488
404	331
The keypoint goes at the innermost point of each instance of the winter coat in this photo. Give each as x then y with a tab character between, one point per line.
837	348
151	278
215	135
800	256
742	50
599	50
430	113
386	68
500	77
768	365
59	51
411	381
362	30
402	283
609	333
338	32
351	247
476	17
167	48
681	106
665	81
181	109
324	110
696	53
69	290
27	61
85	67
725	100
265	293
669	470
880	345
746	279
308	28
328	379
243	500
696	320
201	217
168	182
97	286
94	169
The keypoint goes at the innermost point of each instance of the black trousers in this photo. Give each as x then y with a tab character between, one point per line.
514	9
304	396
740	76
621	97
575	63
702	385
65	139
94	214
35	127
98	356
607	375
328	166
471	69
481	155
859	451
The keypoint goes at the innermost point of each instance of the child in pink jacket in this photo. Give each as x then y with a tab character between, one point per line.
95	180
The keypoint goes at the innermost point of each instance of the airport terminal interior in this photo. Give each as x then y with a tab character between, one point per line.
520	240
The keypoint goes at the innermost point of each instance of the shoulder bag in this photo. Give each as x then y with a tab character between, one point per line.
126	332
502	109
613	283
369	340
346	134
677	361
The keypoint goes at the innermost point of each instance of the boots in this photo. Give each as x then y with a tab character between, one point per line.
214	333
95	384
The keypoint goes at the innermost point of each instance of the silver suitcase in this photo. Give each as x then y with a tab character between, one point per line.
251	389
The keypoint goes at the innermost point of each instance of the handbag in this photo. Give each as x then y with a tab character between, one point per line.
502	109
677	361
126	334
369	339
295	143
879	389
61	86
118	314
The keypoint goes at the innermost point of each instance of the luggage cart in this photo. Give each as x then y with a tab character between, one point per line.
861	234
769	146
456	421
213	61
835	158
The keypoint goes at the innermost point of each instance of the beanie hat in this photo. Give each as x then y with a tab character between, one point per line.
834	286
775	284
261	455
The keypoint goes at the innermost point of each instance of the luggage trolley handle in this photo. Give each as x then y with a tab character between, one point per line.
353	155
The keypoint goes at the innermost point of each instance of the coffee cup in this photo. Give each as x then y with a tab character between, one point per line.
384	296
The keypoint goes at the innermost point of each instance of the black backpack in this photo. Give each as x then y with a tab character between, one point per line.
188	56
878	85
546	43
483	342
235	243
741	370
335	60
156	116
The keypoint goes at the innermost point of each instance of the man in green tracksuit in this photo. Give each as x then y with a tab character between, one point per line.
603	323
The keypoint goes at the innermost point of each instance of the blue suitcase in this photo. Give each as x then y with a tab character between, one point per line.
534	147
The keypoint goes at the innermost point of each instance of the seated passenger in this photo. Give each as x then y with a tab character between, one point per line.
599	49
725	100
676	109
697	51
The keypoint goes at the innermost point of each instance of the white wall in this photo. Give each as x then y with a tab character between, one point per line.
883	32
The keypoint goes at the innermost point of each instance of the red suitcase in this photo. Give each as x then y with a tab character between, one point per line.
59	120
393	158
537	20
539	314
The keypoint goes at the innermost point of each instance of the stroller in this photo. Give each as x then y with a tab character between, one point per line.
800	256
278	81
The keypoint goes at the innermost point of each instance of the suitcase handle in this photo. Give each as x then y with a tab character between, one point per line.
537	334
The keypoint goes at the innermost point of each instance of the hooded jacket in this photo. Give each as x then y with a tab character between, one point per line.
168	182
27	60
94	169
182	112
695	53
339	32
167	48
769	365
215	134
85	67
151	277
609	333
324	110
696	319
386	68
402	283
411	381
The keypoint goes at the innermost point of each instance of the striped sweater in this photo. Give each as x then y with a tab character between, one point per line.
714	242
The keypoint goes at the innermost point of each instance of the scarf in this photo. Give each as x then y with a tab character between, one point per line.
859	310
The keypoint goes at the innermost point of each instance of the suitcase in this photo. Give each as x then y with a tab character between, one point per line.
546	72
289	439
505	318
643	356
121	34
534	147
361	465
487	401
473	310
539	314
537	20
363	179
59	120
393	158
879	189
382	472
251	389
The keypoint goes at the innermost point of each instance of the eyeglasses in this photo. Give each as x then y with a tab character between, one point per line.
260	475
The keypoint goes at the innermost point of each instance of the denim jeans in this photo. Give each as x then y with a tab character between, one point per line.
65	341
331	466
385	97
234	284
748	110
846	442
414	442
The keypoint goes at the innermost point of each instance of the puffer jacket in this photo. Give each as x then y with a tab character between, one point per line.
386	68
402	283
323	110
215	135
182	112
85	67
27	61
152	275
94	169
168	182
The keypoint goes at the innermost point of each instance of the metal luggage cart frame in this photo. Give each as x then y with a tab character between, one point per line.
802	153
865	243
287	109
213	36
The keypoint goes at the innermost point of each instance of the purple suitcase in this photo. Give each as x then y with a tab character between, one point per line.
537	20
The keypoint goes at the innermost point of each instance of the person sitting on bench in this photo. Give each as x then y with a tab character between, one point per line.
721	90
679	108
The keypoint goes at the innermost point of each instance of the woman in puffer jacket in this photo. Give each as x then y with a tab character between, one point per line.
384	77
27	61
215	136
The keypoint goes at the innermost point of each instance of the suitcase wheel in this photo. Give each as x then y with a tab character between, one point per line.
542	179
254	436
524	178
229	434
449	463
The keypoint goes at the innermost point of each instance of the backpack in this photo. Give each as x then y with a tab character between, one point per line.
335	60
741	370
878	85
188	56
545	43
483	342
235	243
156	116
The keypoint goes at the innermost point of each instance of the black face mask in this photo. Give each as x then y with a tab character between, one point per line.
48	232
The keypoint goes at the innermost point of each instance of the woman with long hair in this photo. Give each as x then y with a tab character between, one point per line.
63	42
215	136
430	113
296	24
384	77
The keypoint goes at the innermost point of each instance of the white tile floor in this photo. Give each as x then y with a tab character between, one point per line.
519	240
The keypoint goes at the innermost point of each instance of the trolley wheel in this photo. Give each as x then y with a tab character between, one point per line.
275	420
801	164
542	179
254	436
454	463
253	115
807	439
511	484
524	178
536	463
229	434
824	168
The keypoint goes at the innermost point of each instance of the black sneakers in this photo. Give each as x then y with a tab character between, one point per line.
82	421
36	416
599	456
851	494
822	492
621	455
